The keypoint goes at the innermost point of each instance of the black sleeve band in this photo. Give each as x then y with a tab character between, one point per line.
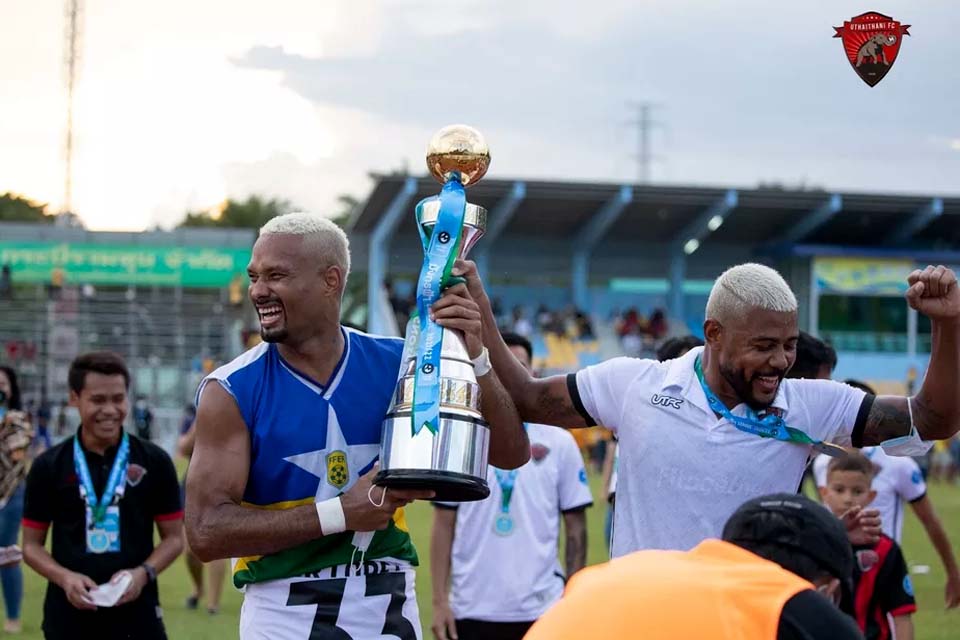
919	498
578	508
445	507
861	423
577	402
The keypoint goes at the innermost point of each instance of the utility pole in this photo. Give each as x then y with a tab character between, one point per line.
73	10
644	125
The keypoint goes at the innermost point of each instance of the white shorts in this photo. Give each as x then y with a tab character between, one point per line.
376	601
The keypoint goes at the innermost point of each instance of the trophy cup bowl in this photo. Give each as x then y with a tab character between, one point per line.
458	148
451	462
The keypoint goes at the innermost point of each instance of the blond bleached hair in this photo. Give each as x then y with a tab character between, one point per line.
747	287
332	242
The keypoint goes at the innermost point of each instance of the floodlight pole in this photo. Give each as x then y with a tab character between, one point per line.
498	220
588	238
377	257
688	241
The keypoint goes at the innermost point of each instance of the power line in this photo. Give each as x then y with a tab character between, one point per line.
74	17
644	125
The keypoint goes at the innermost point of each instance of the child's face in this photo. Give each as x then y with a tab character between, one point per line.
845	490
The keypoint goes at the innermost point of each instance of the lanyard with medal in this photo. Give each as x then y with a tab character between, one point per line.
506	479
769	426
503	525
103	515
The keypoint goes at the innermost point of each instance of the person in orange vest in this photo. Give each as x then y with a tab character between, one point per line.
777	575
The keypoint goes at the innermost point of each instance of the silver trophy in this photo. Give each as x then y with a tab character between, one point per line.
453	460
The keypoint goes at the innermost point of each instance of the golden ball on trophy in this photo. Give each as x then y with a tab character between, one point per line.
458	148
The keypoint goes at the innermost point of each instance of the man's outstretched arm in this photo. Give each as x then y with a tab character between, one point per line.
541	400
936	407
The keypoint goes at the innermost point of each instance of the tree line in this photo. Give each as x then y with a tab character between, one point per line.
251	213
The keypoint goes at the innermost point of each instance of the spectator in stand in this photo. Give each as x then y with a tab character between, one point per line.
6	283
632	342
584	326
544	317
657	325
521	326
629	323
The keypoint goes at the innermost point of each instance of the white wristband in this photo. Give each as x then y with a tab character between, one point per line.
332	519
481	364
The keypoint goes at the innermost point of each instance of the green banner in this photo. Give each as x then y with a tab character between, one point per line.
123	264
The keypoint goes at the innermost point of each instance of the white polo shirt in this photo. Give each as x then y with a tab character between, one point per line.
898	479
683	471
516	577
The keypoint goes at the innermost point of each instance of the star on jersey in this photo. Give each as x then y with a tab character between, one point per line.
328	463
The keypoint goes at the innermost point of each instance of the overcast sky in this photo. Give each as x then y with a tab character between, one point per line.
183	103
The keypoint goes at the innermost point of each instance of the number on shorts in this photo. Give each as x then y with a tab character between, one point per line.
328	596
394	585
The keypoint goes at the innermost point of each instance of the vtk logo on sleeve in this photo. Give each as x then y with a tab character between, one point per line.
871	42
337	473
666	401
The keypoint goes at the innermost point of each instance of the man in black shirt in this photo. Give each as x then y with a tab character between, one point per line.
102	491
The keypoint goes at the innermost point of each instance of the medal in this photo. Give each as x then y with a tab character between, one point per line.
103	515
97	540
770	426
503	525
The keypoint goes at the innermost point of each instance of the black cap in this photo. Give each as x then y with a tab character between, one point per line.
796	523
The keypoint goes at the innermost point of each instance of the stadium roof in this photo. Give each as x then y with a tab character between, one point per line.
657	213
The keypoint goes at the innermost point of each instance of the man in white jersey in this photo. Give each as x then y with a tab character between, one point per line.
700	434
671	348
501	553
287	438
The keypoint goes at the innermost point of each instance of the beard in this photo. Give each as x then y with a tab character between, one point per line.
278	334
743	387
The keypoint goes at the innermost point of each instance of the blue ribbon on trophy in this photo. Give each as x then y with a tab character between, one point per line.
441	248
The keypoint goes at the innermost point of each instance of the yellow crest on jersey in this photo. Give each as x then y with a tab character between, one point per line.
337	472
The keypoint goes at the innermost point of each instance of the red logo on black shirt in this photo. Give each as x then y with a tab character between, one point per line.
135	474
867	559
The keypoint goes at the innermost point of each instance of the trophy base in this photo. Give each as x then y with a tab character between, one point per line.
447	485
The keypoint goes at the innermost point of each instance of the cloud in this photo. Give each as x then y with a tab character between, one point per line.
549	84
301	99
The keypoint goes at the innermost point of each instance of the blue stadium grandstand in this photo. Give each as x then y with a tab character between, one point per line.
619	253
